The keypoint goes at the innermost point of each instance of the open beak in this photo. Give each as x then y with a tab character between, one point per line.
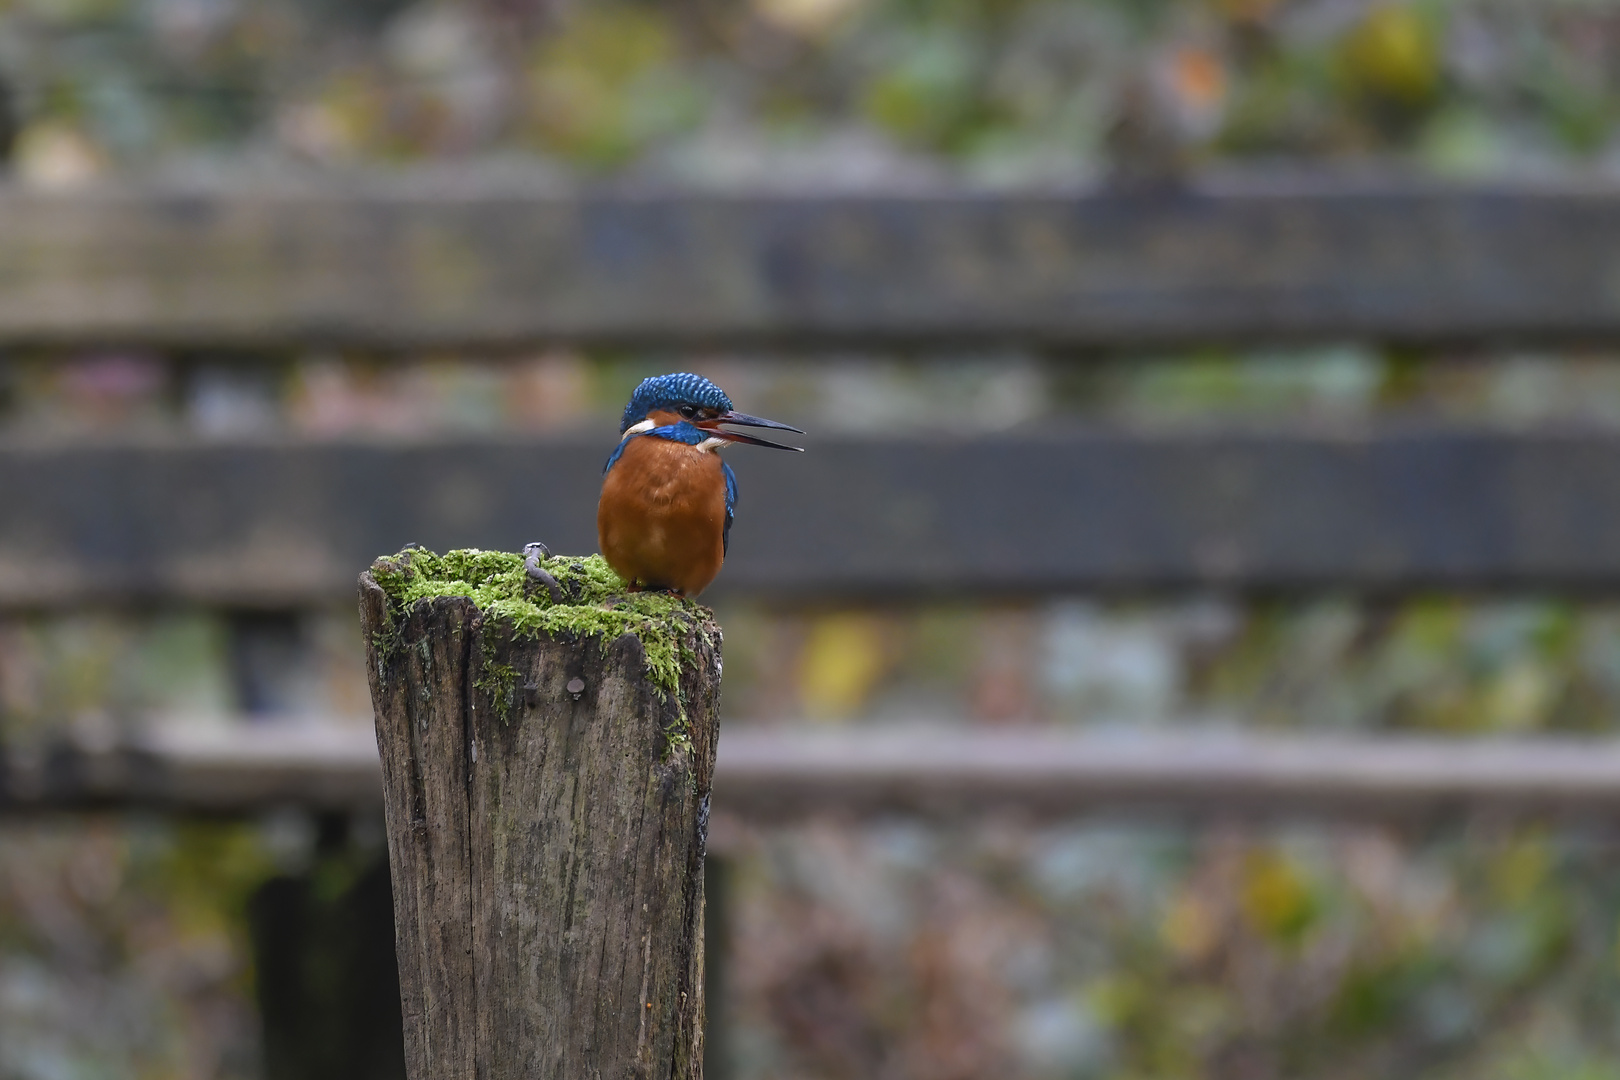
744	420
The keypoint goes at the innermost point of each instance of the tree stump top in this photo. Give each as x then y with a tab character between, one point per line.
593	603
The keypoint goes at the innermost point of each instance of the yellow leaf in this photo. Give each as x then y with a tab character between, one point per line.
843	659
1391	53
1276	897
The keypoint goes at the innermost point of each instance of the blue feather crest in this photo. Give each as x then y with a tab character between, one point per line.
670	392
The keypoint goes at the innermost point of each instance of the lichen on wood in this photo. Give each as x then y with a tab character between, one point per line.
547	769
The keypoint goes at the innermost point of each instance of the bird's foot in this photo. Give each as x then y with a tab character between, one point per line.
533	553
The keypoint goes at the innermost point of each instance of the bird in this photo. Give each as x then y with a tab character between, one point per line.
664	518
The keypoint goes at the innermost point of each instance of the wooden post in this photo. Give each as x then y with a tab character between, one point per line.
547	811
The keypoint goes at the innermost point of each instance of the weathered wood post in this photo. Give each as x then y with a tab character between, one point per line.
547	766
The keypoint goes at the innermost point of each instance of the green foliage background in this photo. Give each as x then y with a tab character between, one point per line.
1001	91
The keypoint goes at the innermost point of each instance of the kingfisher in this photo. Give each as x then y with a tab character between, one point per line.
664	519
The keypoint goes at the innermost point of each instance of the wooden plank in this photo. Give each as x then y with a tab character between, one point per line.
218	769
784	775
291	524
419	263
766	775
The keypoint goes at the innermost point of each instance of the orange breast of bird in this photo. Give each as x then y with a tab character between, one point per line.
661	519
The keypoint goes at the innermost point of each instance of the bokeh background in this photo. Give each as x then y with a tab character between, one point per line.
1106	948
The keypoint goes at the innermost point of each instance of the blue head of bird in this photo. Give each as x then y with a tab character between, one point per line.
666	401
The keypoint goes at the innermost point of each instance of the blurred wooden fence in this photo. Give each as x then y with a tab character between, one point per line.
766	776
411	263
398	265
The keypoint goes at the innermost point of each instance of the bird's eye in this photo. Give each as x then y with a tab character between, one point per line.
689	411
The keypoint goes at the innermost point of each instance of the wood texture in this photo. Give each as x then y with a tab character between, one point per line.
1374	509
422	262
547	847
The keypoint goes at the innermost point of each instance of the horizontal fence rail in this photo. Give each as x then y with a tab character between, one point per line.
398	265
291	524
223	770
778	776
772	776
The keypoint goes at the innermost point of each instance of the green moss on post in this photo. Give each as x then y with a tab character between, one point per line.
547	767
597	603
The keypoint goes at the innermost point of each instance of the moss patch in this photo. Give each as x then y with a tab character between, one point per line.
597	604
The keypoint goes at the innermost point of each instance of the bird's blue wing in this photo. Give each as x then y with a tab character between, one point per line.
731	507
617	450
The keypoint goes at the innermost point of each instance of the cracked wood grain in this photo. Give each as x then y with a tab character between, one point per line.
547	846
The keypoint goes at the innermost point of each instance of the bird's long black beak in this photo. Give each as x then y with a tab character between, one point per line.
744	420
